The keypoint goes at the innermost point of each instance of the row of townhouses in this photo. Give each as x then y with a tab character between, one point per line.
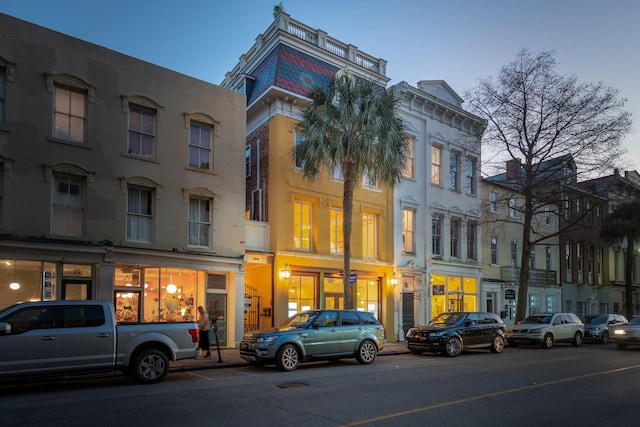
124	181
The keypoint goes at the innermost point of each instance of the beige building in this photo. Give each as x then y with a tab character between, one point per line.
122	181
502	222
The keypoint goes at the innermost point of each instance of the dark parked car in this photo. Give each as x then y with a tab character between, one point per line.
451	332
597	327
627	334
315	335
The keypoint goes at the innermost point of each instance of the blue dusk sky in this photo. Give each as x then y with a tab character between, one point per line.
456	41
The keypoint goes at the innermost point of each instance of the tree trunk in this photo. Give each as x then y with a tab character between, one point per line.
523	277
347	209
628	270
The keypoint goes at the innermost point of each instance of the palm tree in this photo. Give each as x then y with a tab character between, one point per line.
624	224
352	125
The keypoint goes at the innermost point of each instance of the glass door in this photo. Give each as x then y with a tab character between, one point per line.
76	289
217	306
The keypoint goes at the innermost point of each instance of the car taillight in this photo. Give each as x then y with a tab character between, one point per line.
195	335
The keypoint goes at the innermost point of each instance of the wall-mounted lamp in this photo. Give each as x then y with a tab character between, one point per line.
393	280
285	272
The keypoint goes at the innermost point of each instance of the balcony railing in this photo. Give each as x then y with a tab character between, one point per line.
536	277
315	37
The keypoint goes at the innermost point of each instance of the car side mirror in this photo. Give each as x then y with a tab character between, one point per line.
469	322
319	324
5	328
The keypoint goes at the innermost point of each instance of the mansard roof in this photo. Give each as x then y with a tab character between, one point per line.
289	69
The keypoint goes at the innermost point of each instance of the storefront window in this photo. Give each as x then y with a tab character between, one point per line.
301	293
26	281
154	294
459	293
438	298
367	296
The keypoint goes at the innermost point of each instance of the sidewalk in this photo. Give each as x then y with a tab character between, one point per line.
230	358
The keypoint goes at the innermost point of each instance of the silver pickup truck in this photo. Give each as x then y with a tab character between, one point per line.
48	338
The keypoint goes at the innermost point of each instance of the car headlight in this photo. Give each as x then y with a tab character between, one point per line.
619	332
437	334
270	338
535	331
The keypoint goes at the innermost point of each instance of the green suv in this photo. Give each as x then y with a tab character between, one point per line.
315	335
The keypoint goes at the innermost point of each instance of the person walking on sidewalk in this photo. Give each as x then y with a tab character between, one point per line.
204	325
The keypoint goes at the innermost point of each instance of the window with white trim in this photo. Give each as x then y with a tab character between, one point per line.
470	185
514	252
454	171
436	235
302	225
532	258
140	209
336	234
472	250
455	238
494	249
369	236
368	181
436	161
142	131
493	202
408	231
201	145
548	258
71	96
200	222
513	208
69	115
68	205
407	170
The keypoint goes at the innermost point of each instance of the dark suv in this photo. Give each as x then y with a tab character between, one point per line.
451	332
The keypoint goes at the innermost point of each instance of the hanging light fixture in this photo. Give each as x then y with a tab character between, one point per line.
14	285
171	287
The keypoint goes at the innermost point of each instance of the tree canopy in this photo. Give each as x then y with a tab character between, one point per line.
536	115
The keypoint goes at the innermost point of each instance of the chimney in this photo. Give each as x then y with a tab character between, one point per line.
513	169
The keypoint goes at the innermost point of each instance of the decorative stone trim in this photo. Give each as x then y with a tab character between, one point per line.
142	101
140	181
70	169
72	81
10	68
199	192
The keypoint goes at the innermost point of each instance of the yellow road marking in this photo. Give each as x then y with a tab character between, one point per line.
485	396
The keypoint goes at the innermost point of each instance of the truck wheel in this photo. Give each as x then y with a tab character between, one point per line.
150	366
288	357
